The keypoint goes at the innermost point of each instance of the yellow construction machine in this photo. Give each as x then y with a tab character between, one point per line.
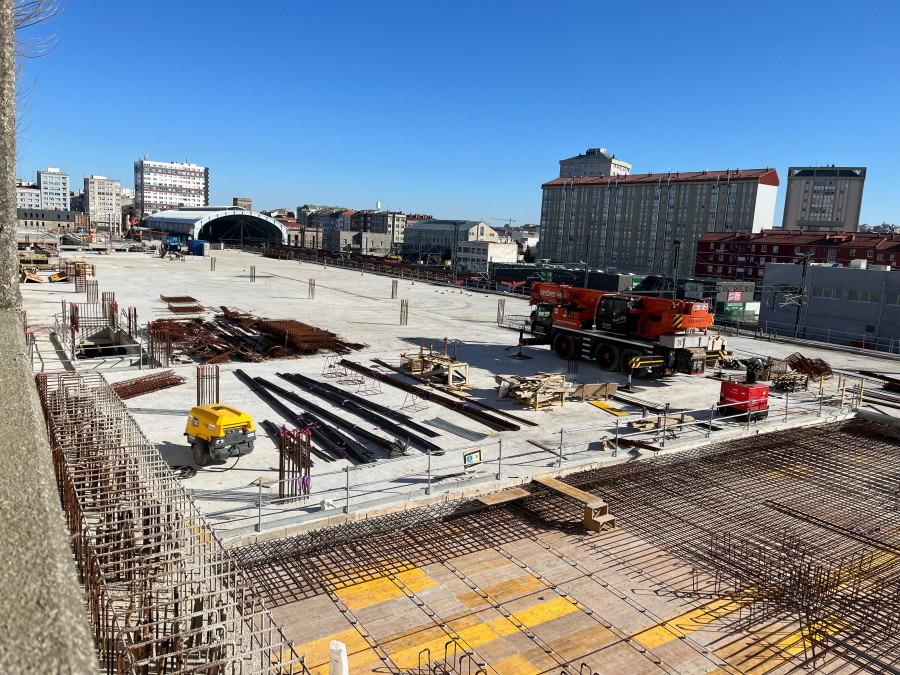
217	431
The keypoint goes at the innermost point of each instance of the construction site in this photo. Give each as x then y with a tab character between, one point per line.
274	465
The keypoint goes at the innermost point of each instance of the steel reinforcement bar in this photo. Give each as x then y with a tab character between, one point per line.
162	592
462	407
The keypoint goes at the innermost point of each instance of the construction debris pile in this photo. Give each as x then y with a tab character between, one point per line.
147	384
535	391
236	336
815	368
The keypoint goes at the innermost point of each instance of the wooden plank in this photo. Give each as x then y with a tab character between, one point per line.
567	490
606	407
505	496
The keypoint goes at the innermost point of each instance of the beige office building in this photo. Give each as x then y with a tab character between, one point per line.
824	198
103	201
632	223
595	162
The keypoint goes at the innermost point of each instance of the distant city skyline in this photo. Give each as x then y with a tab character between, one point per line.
472	131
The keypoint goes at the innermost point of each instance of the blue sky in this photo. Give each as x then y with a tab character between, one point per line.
463	109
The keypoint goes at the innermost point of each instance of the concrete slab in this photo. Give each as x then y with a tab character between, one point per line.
359	308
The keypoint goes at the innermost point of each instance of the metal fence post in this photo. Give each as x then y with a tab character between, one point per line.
259	508
347	494
500	458
787	396
428	488
712	413
559	458
616	449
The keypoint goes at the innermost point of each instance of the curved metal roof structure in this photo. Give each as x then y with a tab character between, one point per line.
227	224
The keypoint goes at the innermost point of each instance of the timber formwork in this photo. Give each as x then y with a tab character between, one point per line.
163	594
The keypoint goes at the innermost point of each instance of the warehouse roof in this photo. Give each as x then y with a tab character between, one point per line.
219	223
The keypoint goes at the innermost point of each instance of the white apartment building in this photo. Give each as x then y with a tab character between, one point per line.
54	188
595	162
159	186
103	201
475	255
28	196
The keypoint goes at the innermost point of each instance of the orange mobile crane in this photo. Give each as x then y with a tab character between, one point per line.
638	334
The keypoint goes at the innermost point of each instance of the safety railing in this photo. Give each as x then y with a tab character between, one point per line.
360	489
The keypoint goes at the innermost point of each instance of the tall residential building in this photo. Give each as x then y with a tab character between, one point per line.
103	200
54	187
391	223
595	162
824	198
632	223
164	185
28	196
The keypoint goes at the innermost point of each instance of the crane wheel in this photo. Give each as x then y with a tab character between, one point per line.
607	356
564	346
200	453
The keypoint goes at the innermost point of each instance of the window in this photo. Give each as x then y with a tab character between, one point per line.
764	248
870	327
797	250
719	269
892	299
825	292
753	248
832	255
852	252
870	253
709	268
880	256
774	249
865	296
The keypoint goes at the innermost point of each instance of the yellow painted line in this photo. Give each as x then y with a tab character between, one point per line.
317	651
606	407
861	458
688	622
796	644
383	589
482	633
516	665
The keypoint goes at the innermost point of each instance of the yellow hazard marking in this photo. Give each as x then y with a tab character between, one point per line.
688	622
383	589
790	471
473	636
676	320
318	651
797	643
607	408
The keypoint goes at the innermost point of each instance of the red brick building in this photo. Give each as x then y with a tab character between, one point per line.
724	255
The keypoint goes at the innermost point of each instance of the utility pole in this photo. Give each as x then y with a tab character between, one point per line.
453	250
677	260
802	294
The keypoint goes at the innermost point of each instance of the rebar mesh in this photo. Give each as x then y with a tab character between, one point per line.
163	594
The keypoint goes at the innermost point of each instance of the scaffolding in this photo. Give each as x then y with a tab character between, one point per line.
163	594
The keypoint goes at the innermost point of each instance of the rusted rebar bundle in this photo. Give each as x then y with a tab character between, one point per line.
147	384
459	406
163	594
294	463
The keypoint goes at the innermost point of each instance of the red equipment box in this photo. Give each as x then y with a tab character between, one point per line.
742	397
